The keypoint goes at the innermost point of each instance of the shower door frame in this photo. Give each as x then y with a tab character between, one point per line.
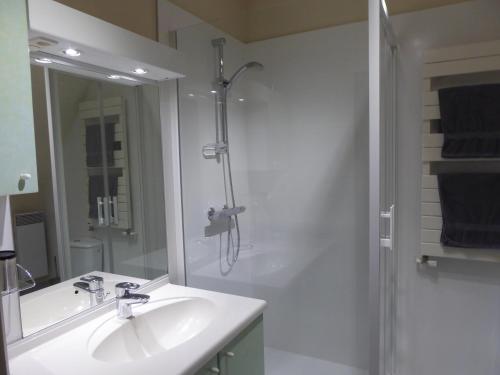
380	30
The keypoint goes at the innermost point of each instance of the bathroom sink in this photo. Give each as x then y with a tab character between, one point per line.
157	327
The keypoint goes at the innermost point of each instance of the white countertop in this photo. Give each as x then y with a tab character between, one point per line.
47	306
69	353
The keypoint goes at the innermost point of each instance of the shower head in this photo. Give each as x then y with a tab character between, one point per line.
243	69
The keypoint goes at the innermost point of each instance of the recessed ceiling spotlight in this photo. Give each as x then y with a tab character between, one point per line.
213	91
140	71
72	52
114	76
191	94
43	60
241	99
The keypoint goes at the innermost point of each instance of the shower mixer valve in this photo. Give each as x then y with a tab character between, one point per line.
225	213
212	150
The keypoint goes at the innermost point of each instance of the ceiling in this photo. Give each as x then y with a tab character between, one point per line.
124	13
254	20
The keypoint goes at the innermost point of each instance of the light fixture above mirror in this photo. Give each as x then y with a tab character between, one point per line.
72	52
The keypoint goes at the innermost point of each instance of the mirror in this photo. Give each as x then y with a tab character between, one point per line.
100	209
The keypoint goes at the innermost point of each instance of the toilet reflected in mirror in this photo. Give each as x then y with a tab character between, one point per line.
86	255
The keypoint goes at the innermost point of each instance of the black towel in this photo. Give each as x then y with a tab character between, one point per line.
96	189
470	120
93	144
470	205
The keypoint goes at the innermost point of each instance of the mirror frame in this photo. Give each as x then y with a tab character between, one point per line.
175	272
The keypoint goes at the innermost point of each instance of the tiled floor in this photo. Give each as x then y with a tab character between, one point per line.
285	363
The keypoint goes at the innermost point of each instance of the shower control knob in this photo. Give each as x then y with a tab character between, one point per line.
211	213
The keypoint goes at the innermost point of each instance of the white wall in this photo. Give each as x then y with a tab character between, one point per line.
449	318
308	175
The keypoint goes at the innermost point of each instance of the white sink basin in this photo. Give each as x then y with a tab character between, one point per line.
157	327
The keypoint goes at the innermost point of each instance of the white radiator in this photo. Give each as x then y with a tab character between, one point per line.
31	245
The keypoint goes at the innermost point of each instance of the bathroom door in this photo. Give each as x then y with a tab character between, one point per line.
382	211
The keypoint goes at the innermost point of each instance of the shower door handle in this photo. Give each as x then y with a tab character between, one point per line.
113	209
106	210
100	209
388	241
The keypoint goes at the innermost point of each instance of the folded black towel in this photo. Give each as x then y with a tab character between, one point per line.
93	144
470	205
470	120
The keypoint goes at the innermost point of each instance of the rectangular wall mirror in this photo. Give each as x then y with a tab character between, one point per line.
100	209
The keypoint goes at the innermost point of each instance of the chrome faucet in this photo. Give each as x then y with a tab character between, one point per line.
125	299
94	285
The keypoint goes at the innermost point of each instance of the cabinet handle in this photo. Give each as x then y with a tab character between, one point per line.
214	370
229	354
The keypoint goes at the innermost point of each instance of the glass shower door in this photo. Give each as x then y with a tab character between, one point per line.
383	251
388	255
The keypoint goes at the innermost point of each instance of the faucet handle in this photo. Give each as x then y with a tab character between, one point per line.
95	282
90	278
121	289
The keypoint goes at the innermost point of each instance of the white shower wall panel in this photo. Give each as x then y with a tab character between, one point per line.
299	148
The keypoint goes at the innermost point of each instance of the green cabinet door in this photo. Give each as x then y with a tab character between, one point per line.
17	139
245	354
210	368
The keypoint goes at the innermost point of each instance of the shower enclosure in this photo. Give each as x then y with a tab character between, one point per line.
312	169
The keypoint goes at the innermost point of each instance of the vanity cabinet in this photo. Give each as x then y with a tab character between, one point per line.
245	354
242	356
17	137
210	368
